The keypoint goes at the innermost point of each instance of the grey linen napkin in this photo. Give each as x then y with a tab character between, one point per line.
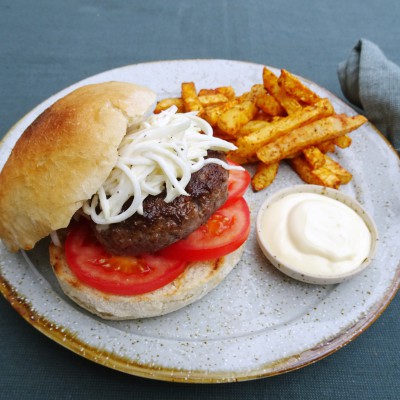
372	82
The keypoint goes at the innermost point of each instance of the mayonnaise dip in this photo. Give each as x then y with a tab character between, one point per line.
314	234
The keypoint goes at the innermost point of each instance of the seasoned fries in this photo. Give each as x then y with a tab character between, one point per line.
314	157
278	119
212	99
190	99
344	175
318	131
282	126
294	87
264	176
252	126
167	103
290	104
232	120
226	91
343	141
211	114
269	105
317	168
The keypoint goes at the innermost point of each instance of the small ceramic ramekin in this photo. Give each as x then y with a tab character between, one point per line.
299	273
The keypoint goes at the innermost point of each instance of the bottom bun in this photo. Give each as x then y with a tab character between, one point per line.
196	281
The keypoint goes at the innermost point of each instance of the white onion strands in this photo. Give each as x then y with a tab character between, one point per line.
159	154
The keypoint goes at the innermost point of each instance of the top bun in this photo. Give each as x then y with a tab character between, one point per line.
63	157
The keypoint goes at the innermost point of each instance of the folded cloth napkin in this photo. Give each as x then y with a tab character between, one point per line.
372	82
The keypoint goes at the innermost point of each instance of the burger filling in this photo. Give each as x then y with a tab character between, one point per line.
170	177
162	223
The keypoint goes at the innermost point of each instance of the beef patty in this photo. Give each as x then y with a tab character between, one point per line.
165	223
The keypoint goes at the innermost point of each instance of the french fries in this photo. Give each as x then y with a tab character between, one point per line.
271	83
320	176
343	141
314	157
264	175
282	126
190	99
232	120
318	131
326	172
227	91
169	102
295	88
278	119
211	114
344	175
313	166
269	105
212	99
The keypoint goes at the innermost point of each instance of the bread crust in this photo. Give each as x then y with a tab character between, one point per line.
196	281
63	157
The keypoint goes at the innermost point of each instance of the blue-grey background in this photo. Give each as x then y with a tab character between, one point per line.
47	45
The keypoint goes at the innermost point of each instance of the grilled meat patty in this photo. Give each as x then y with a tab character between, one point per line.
165	223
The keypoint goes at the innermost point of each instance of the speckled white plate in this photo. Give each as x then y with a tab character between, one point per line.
258	322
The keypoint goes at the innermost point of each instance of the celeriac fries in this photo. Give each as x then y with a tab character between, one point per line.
279	119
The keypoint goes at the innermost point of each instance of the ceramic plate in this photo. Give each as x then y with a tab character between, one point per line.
258	322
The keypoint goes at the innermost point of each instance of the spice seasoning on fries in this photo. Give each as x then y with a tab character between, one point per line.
280	119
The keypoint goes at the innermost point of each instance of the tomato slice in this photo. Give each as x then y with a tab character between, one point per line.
238	183
226	230
120	275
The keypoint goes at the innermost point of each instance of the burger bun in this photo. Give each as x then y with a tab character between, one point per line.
63	157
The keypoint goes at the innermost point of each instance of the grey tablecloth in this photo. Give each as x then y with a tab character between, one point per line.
47	45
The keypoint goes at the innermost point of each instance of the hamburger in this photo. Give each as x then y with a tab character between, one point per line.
138	206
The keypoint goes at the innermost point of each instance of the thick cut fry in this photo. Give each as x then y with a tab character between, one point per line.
227	91
238	158
323	177
314	156
327	147
252	142
343	141
222	135
269	105
255	91
341	172
304	170
308	135
264	176
169	102
212	99
235	118
206	92
212	113
189	97
261	116
330	173
270	80
252	126
295	88
329	178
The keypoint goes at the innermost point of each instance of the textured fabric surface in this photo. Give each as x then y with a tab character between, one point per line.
47	45
371	81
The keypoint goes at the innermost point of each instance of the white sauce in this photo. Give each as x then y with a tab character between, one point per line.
315	234
161	153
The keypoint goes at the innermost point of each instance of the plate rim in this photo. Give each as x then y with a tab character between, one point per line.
122	364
